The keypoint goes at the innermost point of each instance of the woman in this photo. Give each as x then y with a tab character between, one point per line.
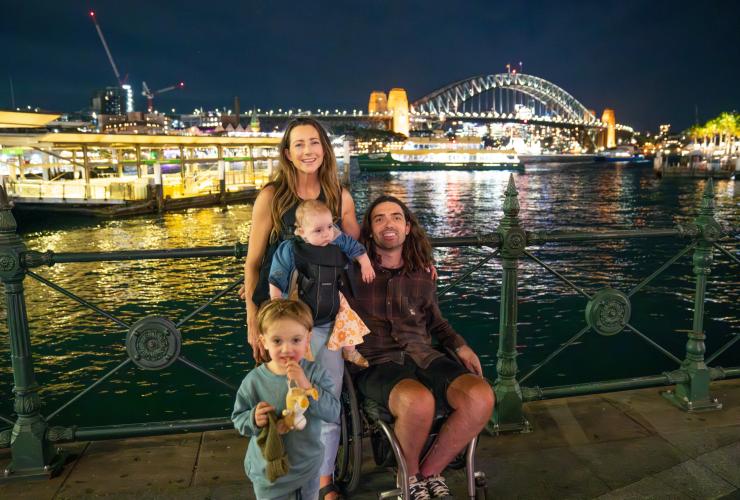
307	170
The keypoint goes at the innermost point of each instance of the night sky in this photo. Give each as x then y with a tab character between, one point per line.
653	61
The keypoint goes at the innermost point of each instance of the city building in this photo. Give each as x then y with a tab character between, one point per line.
135	123
113	100
665	130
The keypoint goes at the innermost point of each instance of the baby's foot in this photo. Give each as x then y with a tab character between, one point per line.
354	356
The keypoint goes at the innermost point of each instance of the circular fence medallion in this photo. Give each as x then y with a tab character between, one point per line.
153	343
712	231
7	263
608	311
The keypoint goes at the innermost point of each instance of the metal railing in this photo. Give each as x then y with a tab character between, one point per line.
155	342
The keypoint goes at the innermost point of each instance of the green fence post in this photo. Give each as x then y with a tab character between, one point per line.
693	395
31	453
508	414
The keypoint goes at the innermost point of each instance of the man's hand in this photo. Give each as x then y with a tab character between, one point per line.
470	360
260	414
296	374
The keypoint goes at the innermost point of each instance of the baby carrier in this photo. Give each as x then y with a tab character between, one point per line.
319	274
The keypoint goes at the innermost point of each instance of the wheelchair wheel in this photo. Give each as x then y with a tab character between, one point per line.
481	487
480	493
349	455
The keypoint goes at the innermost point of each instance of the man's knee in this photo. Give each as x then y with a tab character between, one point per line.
410	399
472	394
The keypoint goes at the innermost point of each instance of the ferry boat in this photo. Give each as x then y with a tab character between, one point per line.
110	175
440	153
622	154
675	162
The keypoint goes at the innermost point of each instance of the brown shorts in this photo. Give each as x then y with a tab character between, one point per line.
377	381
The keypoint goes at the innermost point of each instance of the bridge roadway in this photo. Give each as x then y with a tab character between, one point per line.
631	444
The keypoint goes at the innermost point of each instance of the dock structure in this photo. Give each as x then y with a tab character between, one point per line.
117	174
630	444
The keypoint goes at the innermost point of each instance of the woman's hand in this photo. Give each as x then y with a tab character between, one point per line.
253	338
260	414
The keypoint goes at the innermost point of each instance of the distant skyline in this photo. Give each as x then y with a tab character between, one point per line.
652	61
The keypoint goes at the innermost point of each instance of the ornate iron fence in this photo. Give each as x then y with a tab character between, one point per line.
155	342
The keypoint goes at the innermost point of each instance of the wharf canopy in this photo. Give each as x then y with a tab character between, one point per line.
112	174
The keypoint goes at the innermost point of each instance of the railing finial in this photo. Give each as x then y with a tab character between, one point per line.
511	200
707	199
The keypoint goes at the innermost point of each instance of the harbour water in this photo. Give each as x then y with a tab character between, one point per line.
73	347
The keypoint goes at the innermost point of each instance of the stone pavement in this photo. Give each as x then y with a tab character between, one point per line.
630	444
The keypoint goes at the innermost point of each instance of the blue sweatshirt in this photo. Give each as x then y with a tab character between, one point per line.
304	448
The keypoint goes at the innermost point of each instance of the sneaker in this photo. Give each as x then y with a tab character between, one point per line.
437	487
418	489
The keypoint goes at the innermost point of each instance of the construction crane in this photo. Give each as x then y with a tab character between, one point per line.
121	81
150	95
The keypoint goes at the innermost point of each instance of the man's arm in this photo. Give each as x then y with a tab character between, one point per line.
448	337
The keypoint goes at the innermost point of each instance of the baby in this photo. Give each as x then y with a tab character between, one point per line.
308	265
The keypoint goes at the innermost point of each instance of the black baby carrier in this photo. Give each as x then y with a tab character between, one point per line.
319	274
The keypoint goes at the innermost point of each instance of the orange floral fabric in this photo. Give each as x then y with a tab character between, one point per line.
348	327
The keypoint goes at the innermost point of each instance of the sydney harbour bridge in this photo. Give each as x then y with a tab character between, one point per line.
509	97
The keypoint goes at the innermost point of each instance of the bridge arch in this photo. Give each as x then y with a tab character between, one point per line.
453	97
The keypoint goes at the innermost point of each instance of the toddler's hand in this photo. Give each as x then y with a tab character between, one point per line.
260	414
296	373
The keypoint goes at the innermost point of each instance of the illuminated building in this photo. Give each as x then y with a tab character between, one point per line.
398	104
135	123
665	130
378	102
113	100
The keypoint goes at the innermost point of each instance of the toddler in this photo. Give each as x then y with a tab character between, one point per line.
285	331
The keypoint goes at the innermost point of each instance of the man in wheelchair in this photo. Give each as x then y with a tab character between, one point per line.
407	374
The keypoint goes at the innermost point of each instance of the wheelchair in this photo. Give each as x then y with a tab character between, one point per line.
365	418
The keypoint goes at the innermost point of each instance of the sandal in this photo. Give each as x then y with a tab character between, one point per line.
330	488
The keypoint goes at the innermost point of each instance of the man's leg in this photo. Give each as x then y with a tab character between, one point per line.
471	399
412	405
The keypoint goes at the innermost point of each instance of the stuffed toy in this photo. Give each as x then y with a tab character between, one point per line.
296	404
271	445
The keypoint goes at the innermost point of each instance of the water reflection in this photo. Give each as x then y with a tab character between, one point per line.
73	346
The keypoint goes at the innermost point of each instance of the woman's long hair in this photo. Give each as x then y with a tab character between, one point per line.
284	178
417	250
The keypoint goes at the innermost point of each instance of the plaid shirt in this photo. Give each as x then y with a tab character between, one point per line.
402	314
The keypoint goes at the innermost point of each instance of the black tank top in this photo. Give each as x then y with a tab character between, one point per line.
287	231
